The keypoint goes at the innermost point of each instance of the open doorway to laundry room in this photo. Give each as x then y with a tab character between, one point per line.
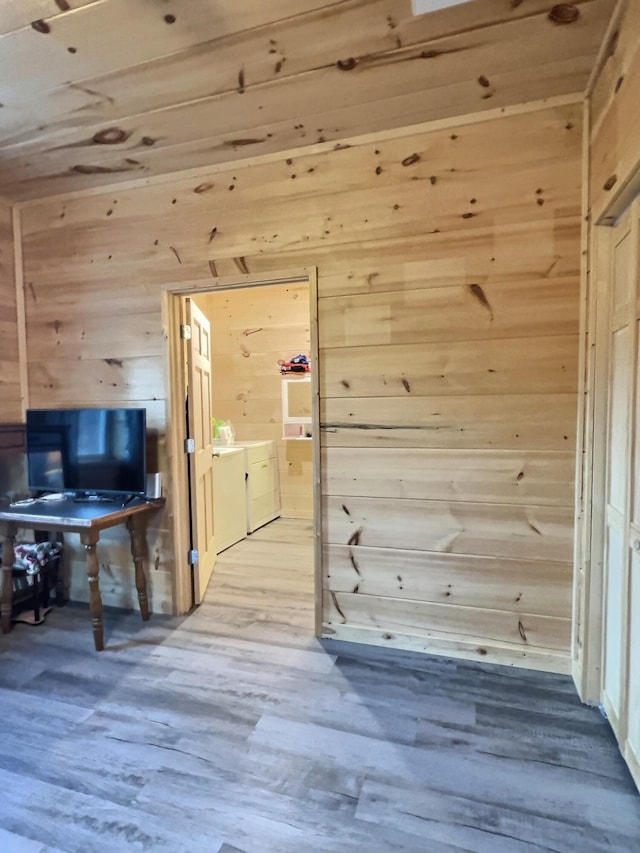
258	512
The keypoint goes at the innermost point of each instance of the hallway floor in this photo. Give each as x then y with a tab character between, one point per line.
234	730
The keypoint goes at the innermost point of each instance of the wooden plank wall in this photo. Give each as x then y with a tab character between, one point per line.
251	329
102	92
13	480
615	118
448	263
10	392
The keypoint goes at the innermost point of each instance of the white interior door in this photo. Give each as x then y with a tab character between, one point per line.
201	459
631	748
617	519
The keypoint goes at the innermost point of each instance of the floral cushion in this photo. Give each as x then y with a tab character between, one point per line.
30	557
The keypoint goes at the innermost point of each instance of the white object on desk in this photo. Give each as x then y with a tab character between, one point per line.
154	486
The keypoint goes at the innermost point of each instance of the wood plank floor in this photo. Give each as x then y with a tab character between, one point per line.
233	729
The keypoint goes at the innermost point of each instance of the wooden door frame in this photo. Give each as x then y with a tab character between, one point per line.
591	478
173	317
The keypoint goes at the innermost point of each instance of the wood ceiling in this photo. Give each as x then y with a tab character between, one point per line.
93	92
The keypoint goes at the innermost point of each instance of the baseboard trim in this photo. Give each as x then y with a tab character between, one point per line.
542	660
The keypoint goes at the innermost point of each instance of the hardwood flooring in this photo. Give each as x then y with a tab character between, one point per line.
234	730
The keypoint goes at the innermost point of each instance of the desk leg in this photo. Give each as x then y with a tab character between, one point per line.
90	540
7	582
136	528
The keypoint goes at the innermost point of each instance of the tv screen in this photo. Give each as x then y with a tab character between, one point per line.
87	451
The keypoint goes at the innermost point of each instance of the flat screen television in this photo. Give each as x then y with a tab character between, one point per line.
87	451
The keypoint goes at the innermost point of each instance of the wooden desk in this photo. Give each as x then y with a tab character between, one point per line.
87	519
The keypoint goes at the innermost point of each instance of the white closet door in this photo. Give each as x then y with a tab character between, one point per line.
622	329
631	748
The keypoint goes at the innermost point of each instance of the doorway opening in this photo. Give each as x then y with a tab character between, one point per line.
254	428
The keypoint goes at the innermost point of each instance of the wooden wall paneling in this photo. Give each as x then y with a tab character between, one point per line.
296	478
452	314
226	127
489	476
21	320
233	125
114	378
504	366
486	254
499	530
310	39
358	188
10	363
453	646
283	305
60	335
156	415
364	213
605	53
510	422
116	569
485	287
13	391
615	122
12	437
512	585
472	623
281	83
114	34
17	16
246	343
253	410
617	51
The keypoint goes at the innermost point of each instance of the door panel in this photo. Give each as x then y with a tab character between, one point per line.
622	273
619	419
201	460
616	553
633	723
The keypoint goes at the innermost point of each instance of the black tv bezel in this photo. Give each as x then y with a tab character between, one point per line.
77	493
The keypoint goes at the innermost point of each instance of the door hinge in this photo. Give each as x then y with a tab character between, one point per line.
194	557
189	445
185	332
